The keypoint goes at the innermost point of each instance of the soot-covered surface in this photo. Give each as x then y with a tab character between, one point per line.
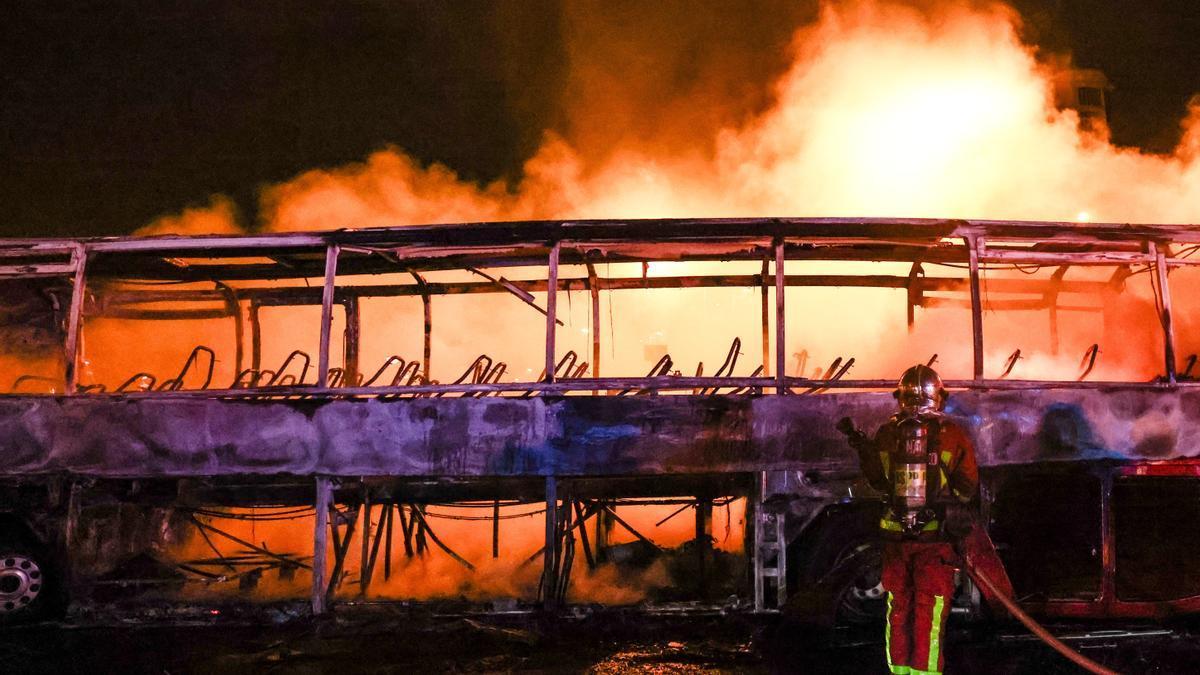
572	435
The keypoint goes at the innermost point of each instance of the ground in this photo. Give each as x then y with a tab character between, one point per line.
406	640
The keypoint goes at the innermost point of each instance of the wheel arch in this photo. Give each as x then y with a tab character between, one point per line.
824	539
826	556
17	529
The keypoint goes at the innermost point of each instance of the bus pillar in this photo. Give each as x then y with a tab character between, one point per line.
324	500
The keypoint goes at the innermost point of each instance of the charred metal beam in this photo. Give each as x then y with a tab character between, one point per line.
79	259
331	264
1011	305
976	308
364	564
385	510
593	285
353	338
344	294
703	540
1025	255
255	336
629	528
406	529
496	529
1163	291
341	547
566	556
518	243
551	312
253	547
420	516
913	295
515	290
419	527
1051	298
550	547
515	233
780	320
427	310
646	384
581	519
764	284
387	551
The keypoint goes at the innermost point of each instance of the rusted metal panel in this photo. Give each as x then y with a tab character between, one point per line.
574	435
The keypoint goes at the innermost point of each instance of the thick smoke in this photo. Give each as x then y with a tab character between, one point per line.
876	108
219	216
514	574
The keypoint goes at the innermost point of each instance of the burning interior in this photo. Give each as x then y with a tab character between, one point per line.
549	412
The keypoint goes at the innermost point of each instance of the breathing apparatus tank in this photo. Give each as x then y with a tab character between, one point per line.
915	462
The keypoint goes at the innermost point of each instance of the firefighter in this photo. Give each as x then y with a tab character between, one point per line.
924	464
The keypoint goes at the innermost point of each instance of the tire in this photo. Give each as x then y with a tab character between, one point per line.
855	581
834	567
28	589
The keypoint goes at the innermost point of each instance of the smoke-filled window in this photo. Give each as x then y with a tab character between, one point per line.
149	326
32	334
470	326
1185	305
1077	322
685	318
142	335
886	316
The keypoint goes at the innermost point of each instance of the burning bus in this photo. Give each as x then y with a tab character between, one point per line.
529	415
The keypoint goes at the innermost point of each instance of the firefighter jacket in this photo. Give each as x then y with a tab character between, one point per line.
953	482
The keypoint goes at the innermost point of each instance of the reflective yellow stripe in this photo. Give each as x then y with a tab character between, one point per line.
935	634
886	462
944	467
887	641
895	526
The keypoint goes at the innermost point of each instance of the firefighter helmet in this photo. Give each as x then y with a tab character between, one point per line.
920	390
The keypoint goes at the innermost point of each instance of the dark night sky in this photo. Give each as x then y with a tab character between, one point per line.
112	117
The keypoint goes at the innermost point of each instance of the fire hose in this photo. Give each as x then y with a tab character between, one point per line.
1042	634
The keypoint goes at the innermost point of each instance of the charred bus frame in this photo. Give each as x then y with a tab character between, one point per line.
751	438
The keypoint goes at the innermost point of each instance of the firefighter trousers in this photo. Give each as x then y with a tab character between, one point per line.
919	580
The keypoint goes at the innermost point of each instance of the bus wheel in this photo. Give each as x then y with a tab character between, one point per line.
860	596
24	585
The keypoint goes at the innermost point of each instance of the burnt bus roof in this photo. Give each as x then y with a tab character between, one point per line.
662	229
495	244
